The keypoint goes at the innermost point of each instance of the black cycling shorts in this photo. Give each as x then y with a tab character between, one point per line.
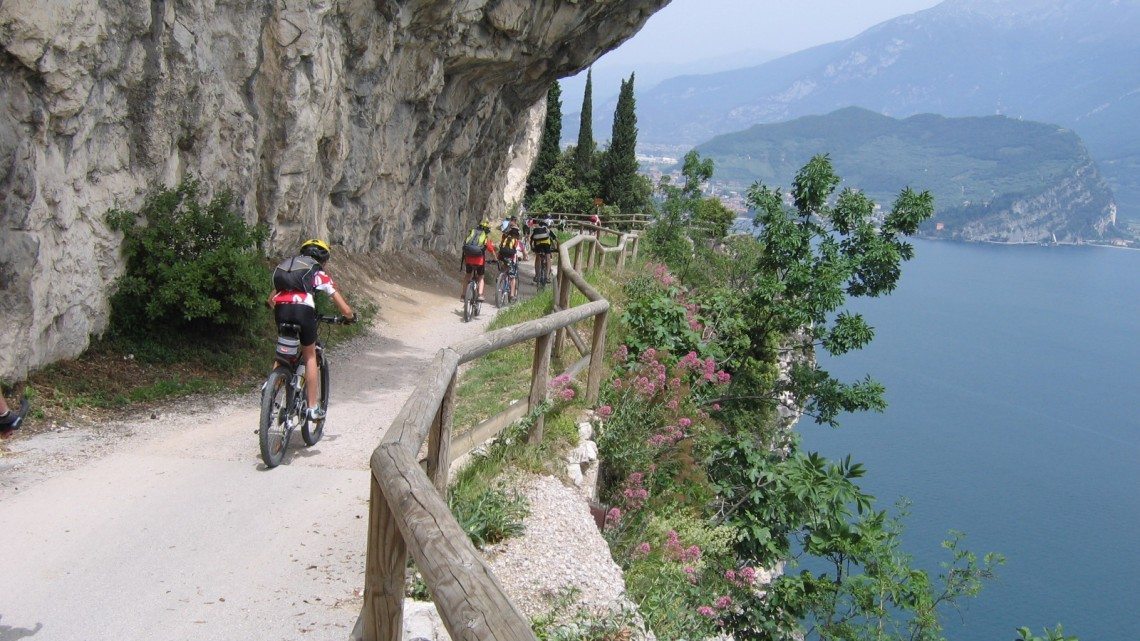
302	315
474	269
543	249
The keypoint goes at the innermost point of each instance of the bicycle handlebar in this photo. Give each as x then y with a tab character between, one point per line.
336	320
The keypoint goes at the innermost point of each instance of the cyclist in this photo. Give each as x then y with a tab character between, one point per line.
510	252
542	243
475	250
295	281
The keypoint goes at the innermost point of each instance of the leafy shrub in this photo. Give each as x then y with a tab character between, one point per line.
189	265
492	515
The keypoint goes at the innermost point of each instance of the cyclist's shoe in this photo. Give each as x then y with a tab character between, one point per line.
481	299
316	414
10	422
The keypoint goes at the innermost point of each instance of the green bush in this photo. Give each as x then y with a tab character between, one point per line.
189	265
491	514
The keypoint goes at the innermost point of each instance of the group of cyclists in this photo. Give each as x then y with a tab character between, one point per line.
298	279
511	249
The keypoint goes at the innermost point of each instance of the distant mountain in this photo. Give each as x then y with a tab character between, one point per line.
608	77
1072	62
993	178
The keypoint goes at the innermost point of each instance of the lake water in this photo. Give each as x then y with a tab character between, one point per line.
1012	378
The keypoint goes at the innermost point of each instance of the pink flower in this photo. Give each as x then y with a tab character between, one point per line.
644	548
748	575
605	411
674	382
672	404
649	354
690	570
621	354
716	407
706	611
560	380
723	602
618	384
693	553
685	422
567	394
723	377
730	575
613	516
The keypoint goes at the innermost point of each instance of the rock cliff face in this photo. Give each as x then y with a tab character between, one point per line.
1075	207
374	123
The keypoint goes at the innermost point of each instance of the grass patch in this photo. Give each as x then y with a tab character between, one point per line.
491	383
479	497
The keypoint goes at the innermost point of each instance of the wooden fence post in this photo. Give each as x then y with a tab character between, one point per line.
385	564
561	302
621	254
636	244
597	356
578	258
539	373
439	440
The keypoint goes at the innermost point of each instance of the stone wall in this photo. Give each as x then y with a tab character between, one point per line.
374	123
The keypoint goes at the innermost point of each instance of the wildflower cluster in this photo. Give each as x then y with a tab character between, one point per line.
562	388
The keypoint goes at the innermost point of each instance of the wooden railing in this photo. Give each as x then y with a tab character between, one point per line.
408	510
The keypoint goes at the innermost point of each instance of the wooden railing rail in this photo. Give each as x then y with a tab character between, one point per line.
408	511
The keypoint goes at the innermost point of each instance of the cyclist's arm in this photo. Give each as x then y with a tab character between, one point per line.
343	306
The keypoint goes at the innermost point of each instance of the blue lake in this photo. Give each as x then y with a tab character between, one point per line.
1011	374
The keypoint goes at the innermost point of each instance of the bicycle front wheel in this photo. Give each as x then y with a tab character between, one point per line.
312	431
275	401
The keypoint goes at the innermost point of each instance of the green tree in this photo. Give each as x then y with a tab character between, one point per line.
561	194
619	184
813	256
584	168
548	148
675	237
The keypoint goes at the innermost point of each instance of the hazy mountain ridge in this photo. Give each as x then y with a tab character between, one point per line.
1072	62
994	178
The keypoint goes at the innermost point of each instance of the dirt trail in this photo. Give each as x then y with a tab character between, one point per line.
171	528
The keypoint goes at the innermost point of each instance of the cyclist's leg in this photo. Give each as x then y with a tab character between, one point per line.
312	374
479	270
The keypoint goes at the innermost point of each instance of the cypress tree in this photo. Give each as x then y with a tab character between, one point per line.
619	166
584	153
548	147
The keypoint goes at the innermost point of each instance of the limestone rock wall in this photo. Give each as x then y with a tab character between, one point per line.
377	124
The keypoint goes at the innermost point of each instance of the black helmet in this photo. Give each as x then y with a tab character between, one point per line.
316	249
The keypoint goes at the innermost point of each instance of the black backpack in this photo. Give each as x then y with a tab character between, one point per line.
475	243
296	274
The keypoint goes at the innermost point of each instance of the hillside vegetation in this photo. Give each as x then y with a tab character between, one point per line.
993	178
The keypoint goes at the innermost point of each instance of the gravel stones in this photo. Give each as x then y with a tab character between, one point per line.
561	550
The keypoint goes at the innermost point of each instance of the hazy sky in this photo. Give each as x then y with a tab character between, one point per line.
708	28
688	30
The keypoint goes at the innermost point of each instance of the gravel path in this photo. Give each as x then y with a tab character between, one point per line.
167	525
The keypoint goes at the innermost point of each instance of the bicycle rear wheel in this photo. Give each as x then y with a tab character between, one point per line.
312	431
503	290
275	402
469	302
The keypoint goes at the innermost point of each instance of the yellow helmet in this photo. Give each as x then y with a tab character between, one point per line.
485	224
316	249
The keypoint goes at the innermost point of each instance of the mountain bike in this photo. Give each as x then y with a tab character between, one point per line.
284	405
506	289
471	303
542	269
